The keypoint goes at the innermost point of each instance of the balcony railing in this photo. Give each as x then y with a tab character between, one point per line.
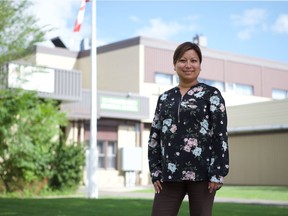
59	84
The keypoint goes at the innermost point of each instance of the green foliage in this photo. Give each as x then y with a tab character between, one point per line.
18	30
29	134
32	155
67	167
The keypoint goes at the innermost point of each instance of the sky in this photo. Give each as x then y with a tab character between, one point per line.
251	28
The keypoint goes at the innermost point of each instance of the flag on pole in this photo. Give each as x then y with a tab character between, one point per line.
80	16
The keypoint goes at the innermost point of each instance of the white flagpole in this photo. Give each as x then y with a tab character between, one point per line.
93	152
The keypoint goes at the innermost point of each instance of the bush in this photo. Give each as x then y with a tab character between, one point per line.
29	133
33	156
67	168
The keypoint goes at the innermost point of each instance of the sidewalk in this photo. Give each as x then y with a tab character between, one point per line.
141	193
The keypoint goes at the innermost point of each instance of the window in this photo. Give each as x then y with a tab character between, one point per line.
101	154
111	155
239	88
166	79
217	84
106	154
279	94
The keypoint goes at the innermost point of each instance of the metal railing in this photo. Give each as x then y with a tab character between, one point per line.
66	84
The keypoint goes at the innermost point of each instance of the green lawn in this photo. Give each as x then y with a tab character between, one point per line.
254	192
141	207
249	192
119	207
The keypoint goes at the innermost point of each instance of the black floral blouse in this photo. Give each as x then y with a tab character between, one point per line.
188	138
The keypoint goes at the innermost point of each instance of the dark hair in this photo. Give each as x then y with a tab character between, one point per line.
182	48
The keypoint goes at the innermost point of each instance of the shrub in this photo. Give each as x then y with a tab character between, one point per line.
67	167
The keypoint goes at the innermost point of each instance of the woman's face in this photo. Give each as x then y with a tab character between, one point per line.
188	67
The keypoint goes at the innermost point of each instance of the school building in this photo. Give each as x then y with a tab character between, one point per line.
132	73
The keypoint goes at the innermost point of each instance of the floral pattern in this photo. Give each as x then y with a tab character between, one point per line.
188	138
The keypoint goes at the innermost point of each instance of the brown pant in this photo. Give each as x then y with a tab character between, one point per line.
169	200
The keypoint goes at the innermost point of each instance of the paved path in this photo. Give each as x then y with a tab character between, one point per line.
135	192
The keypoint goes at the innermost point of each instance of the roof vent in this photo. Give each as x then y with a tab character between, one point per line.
200	40
58	42
85	44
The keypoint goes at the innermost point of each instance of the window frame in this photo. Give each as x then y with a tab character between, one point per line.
104	156
173	79
284	94
238	88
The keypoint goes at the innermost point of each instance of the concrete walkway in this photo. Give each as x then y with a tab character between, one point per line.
139	192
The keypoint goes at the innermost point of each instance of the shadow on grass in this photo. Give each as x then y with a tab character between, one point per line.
119	207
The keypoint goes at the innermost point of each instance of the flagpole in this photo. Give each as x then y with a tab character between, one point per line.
93	152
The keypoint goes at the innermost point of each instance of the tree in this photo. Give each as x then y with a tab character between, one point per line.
32	149
29	136
19	31
31	144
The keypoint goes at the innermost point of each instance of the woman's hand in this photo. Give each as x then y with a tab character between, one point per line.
213	186
157	186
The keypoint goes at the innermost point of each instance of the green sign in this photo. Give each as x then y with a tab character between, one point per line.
119	104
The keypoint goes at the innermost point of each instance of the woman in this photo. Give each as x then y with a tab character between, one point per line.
188	143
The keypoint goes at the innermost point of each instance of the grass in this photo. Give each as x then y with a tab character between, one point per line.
255	192
141	207
119	207
275	193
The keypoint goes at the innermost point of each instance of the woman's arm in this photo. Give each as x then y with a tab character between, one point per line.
154	146
219	166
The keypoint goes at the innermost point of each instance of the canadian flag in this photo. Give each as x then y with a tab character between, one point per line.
80	16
